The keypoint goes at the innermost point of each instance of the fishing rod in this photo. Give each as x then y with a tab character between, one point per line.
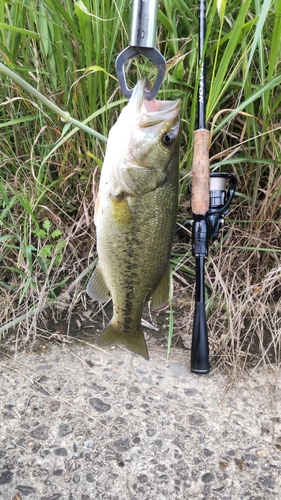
210	200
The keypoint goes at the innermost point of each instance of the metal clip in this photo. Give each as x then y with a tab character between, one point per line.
142	42
154	56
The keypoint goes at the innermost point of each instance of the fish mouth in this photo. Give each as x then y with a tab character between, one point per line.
152	112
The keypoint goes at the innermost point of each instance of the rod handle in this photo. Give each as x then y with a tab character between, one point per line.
200	346
200	200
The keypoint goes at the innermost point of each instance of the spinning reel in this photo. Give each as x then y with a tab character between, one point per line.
221	197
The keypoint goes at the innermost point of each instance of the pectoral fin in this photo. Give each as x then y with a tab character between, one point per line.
121	212
97	288
161	293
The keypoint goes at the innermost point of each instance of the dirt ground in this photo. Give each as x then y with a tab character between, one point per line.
79	423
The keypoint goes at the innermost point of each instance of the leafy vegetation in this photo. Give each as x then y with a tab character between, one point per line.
49	171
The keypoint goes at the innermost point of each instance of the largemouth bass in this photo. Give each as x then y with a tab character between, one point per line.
135	216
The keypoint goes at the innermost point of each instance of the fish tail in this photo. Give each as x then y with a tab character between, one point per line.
134	342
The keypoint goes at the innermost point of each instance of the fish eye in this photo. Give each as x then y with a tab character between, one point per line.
168	139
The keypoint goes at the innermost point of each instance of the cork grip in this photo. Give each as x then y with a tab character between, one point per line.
200	201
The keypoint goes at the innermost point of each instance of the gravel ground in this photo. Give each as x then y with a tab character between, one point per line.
78	423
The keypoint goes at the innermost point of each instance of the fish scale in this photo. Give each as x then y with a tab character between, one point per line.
135	216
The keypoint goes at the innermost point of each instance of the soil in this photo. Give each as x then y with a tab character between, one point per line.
80	423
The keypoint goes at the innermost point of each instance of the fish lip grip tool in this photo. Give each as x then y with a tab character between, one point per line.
142	42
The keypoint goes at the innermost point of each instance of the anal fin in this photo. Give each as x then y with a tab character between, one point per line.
97	288
161	293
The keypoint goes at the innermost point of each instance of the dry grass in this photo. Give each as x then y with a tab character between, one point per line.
243	298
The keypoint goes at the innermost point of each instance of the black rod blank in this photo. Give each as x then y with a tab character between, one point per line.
202	65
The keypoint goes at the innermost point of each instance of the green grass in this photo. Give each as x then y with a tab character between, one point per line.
49	170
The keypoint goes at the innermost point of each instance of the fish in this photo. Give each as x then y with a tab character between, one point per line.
135	216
